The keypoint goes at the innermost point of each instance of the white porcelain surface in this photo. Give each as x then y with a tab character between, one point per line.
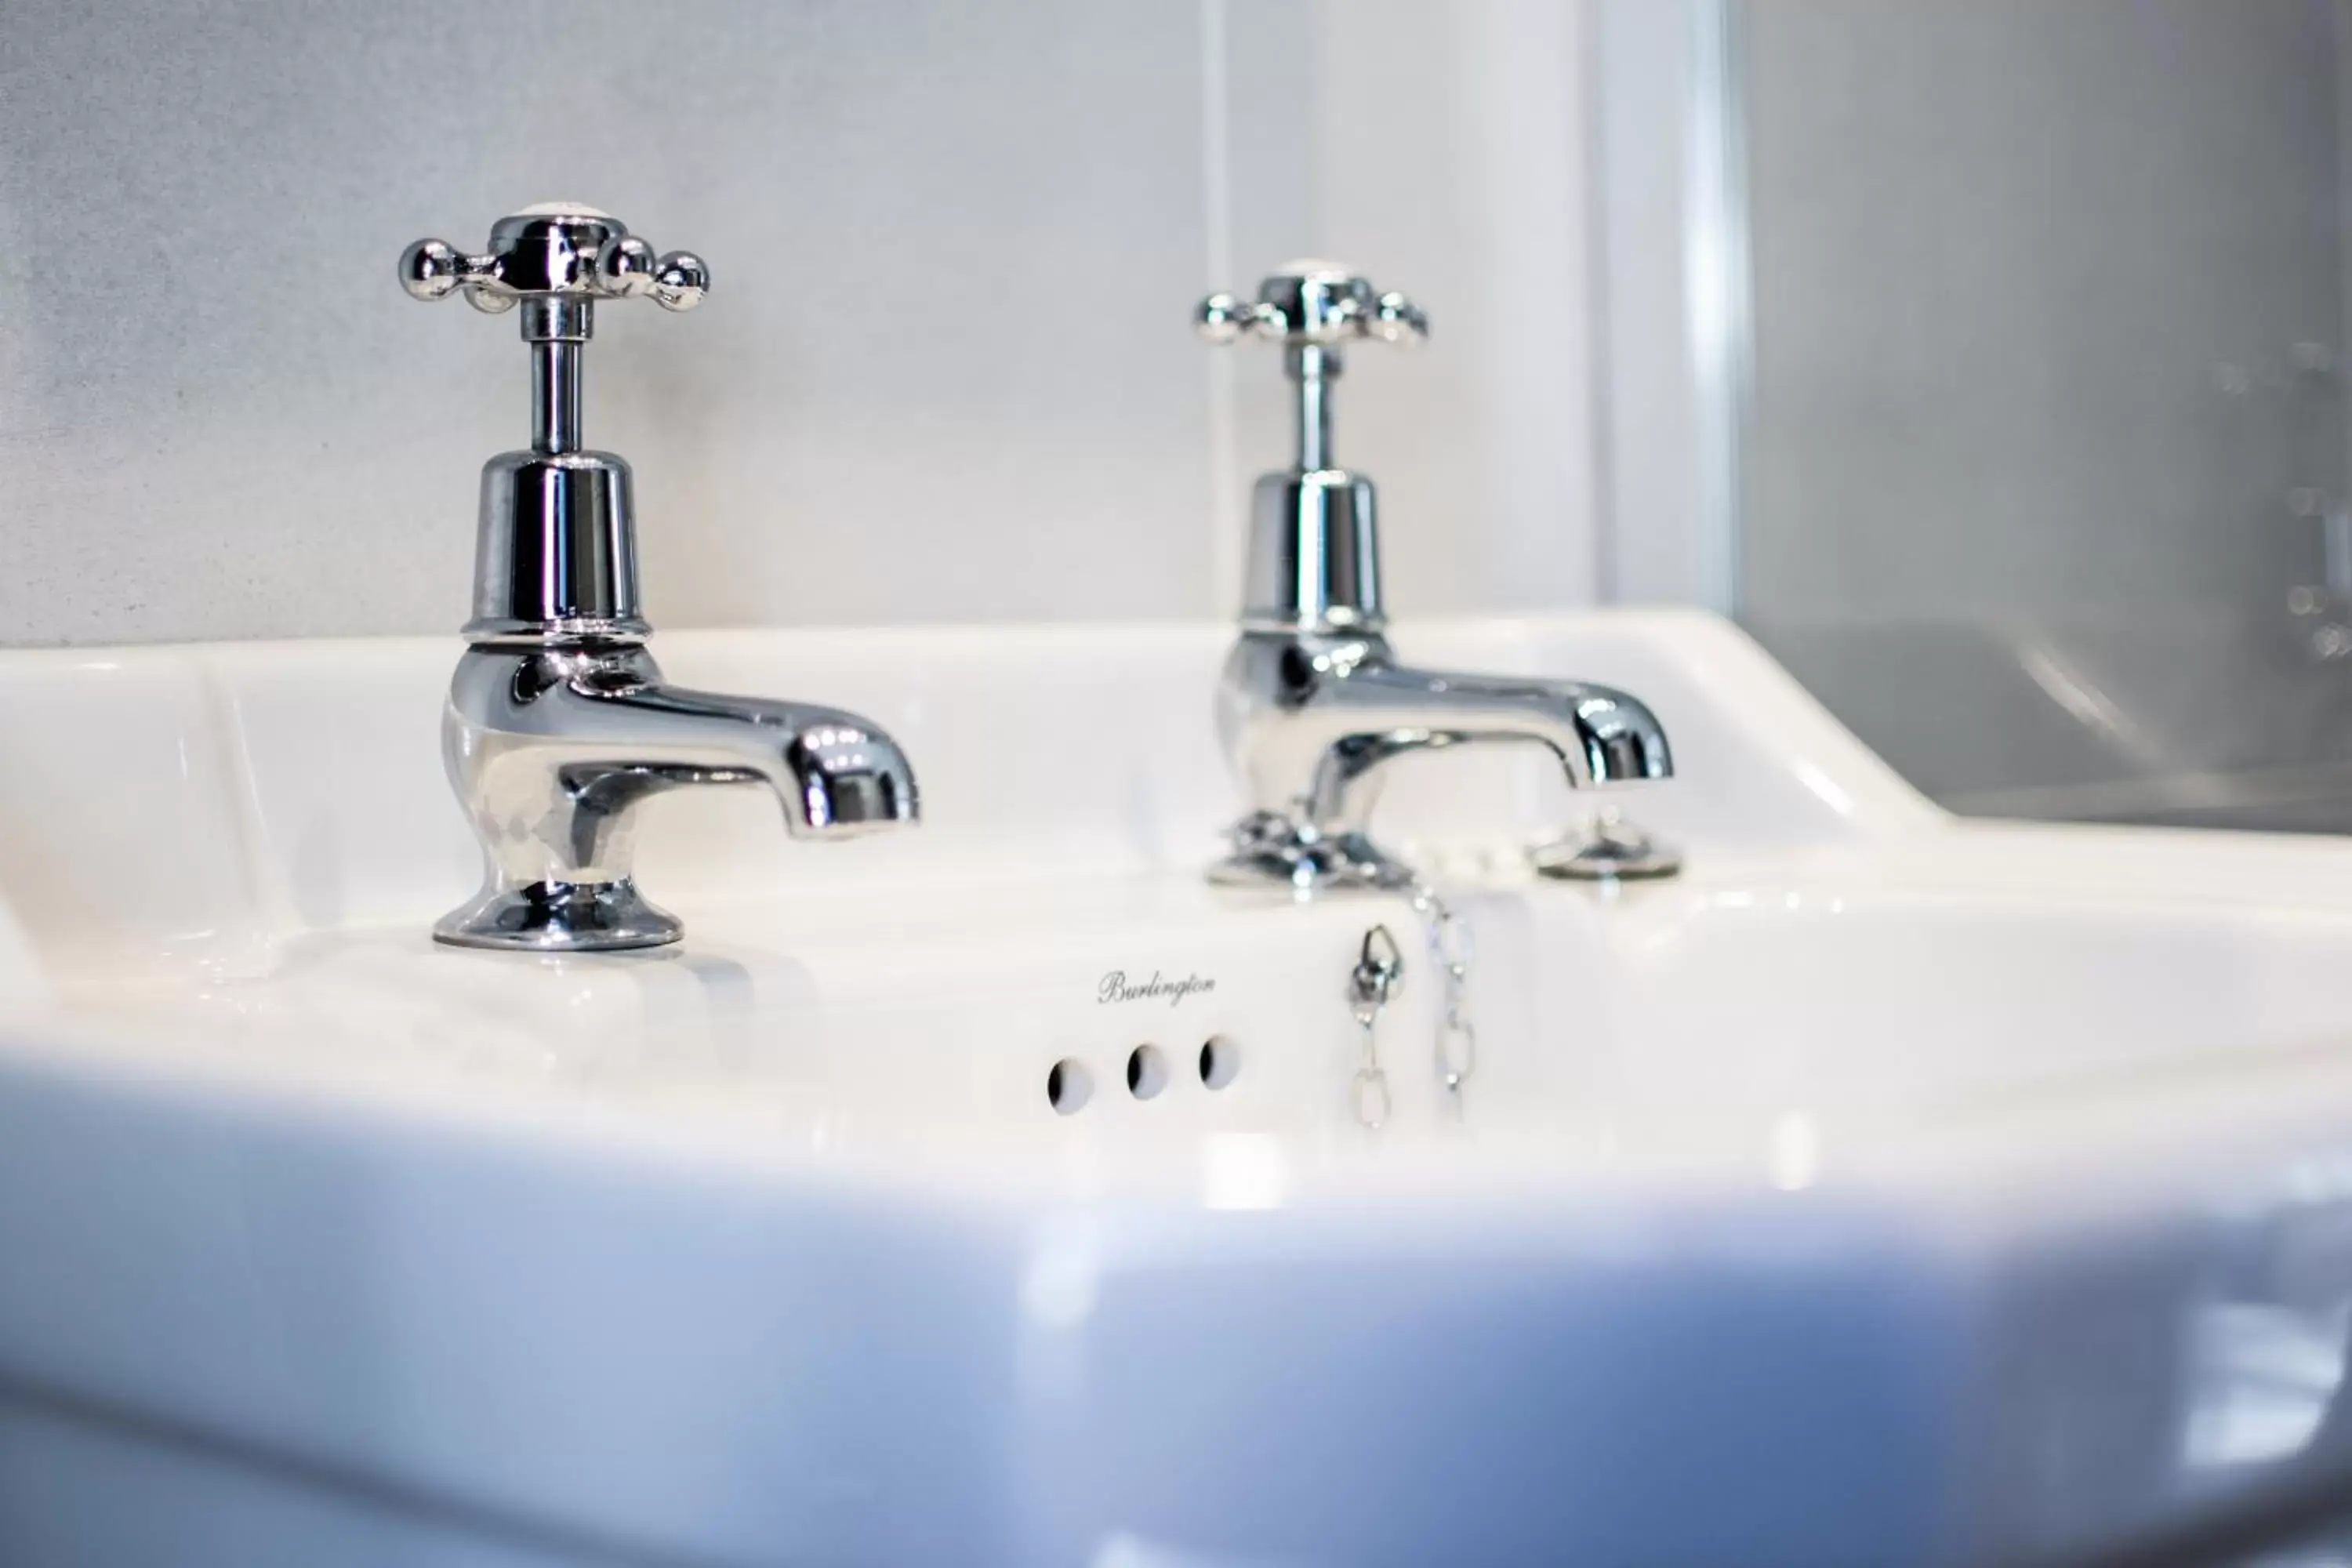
1887	1188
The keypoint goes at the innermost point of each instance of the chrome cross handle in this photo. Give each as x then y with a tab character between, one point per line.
557	259
1313	309
1314	557
1316	302
556	250
558	544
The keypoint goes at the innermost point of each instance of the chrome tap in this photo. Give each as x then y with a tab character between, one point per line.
1313	700
559	722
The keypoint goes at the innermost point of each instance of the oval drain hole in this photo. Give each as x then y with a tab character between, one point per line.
1221	1061
1147	1071
1069	1086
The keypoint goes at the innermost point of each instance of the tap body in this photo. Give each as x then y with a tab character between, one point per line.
1313	700
550	748
558	724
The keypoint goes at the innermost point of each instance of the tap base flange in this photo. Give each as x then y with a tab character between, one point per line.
1609	850
1270	848
560	917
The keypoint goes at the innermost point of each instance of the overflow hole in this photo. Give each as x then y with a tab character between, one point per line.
1069	1086
1147	1071
1221	1061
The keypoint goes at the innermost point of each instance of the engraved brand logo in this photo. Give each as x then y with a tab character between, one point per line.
1116	987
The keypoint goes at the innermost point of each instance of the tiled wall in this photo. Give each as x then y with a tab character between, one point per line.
944	373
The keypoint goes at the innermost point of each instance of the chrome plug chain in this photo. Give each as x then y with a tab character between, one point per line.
1449	945
1377	978
1378	972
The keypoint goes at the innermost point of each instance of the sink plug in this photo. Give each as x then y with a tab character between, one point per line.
559	722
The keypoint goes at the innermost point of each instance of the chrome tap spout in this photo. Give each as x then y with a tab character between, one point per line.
550	748
1308	721
1328	711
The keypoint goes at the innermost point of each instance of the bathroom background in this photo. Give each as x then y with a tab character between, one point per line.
1986	358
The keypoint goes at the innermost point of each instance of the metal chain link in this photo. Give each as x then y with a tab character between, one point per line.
1451	945
1374	981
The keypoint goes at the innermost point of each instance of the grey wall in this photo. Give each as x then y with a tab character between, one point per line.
944	373
2028	280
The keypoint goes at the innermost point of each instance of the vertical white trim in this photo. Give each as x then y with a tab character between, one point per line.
1672	266
1226	516
1591	88
1717	293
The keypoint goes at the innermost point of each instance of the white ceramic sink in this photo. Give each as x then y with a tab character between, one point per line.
1885	1189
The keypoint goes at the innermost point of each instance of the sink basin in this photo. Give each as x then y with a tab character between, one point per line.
1886	1188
